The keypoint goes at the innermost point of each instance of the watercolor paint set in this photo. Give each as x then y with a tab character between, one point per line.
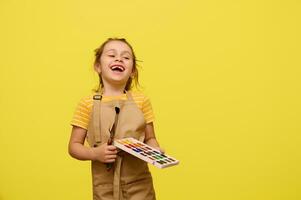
145	152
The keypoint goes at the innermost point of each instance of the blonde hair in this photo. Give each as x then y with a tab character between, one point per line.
98	53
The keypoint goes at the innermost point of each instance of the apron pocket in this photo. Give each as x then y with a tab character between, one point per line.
141	189
103	192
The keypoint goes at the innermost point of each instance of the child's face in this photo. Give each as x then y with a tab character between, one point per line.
116	63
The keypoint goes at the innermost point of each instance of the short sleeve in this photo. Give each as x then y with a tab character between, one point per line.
81	115
147	110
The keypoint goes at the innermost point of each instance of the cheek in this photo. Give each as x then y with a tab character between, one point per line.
105	59
103	62
130	65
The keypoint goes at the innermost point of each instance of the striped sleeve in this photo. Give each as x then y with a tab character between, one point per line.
147	110
81	115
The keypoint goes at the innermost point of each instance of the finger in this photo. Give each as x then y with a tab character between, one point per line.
111	148
108	152
160	149
110	161
111	157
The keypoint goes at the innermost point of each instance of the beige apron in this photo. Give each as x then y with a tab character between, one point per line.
129	178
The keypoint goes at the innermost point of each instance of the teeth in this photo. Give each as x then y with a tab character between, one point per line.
117	67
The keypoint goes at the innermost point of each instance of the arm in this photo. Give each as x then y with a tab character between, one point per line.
150	138
103	153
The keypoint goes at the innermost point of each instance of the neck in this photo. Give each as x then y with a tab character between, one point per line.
113	90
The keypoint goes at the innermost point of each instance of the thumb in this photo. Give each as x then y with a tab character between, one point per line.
160	149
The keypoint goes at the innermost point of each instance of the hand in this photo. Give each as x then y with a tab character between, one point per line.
154	143
105	153
160	149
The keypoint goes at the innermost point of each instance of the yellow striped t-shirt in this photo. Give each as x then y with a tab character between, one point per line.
83	110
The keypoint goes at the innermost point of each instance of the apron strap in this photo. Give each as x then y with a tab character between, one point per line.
96	118
116	180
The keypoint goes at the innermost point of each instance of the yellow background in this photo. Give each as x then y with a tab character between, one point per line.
223	77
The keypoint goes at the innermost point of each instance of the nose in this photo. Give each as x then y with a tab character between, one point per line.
118	58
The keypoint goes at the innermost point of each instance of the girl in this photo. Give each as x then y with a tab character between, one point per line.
114	112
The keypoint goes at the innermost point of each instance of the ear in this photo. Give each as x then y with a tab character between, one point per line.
97	68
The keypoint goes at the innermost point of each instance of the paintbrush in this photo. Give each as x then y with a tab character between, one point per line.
112	134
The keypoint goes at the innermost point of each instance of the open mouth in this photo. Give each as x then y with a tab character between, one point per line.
118	68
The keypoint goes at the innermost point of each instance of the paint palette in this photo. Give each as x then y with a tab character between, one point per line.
145	152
